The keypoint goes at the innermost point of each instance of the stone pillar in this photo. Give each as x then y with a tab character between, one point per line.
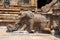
32	2
13	2
36	5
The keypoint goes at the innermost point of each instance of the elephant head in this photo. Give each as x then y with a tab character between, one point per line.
26	14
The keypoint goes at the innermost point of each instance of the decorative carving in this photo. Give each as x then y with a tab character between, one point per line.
6	3
47	7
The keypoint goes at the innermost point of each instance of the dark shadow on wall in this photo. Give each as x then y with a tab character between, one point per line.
41	3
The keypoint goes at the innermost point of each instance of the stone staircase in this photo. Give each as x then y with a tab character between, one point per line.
9	15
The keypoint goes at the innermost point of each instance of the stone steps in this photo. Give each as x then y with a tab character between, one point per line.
8	15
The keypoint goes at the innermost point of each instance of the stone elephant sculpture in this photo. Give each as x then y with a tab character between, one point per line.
32	19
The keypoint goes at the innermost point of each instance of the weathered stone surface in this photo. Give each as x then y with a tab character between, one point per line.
47	7
31	18
21	36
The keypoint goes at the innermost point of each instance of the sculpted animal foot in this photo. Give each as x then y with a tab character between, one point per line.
31	31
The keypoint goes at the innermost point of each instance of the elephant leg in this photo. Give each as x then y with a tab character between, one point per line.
43	25
31	25
44	28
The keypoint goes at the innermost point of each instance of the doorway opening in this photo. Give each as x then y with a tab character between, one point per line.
41	3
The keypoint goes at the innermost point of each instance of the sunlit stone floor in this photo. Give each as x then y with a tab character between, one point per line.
25	36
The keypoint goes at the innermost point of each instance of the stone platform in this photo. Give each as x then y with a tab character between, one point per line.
25	36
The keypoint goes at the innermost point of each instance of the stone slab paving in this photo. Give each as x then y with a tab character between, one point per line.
24	36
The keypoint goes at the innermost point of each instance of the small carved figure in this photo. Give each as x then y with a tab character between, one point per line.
6	3
11	28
